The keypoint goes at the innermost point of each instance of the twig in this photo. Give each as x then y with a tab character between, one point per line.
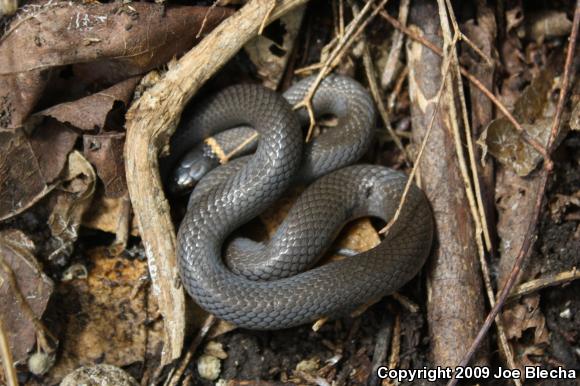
6	355
239	148
382	342
397	89
529	140
353	30
566	80
395	344
151	121
475	48
372	80
266	18
341	18
544	174
376	94
446	63
406	302
207	325
393	63
312	379
205	17
476	207
544	282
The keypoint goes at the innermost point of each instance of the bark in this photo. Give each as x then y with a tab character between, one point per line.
455	300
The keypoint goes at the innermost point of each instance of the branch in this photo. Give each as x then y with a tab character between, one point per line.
151	121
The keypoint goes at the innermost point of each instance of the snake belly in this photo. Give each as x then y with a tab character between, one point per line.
275	292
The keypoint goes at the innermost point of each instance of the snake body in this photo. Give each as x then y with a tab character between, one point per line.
265	286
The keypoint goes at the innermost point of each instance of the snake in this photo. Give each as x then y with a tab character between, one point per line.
277	284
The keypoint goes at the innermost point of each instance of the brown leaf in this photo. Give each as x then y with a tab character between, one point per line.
546	24
269	56
113	41
533	110
105	152
17	257
525	316
111	215
514	18
105	214
75	193
29	167
92	112
560	203
51	143
21	180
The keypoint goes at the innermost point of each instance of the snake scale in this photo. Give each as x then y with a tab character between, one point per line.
273	285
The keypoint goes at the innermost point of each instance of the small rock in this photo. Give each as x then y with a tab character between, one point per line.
99	375
209	367
308	365
215	349
40	362
566	314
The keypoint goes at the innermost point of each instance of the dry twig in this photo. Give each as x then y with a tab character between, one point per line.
393	63
375	92
151	121
371	75
6	356
544	282
353	30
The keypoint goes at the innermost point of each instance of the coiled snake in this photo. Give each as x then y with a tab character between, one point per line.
269	285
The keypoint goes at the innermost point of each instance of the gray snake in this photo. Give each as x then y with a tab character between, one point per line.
269	285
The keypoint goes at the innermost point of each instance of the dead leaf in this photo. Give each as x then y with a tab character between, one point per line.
21	181
271	56
92	112
533	110
17	256
51	143
75	193
560	203
112	215
124	40
104	213
30	166
547	24
526	316
514	18
105	152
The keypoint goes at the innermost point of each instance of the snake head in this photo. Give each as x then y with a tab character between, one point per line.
191	170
